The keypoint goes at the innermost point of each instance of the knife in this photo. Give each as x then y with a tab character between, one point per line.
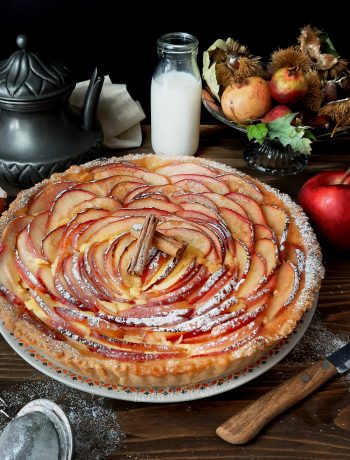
244	425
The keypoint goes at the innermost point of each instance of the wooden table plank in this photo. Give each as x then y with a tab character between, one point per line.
187	430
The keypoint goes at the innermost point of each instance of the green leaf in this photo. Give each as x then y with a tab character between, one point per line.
301	145
298	137
327	45
257	132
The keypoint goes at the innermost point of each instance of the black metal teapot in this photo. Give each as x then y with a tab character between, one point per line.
40	133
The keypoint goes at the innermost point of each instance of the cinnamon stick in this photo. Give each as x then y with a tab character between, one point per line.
143	246
165	243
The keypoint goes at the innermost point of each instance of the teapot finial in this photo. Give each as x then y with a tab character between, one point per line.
21	41
91	101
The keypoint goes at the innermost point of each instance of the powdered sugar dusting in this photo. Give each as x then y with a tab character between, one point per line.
317	343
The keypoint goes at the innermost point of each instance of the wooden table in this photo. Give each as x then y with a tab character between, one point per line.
187	430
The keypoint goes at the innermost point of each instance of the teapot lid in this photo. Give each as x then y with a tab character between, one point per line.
25	78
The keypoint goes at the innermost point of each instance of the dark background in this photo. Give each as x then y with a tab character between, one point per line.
120	37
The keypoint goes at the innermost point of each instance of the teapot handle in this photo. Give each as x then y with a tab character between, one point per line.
91	101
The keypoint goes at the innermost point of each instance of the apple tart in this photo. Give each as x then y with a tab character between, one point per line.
154	271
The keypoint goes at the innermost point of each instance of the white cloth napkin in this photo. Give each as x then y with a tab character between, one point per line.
117	112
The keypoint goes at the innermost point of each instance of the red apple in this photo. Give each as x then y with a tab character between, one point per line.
326	200
288	85
277	112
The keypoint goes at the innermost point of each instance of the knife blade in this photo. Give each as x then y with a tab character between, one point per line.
341	358
244	425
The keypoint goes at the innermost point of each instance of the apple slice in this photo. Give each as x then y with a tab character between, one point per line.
239	227
121	190
243	260
185	168
256	276
96	271
193	216
229	342
269	251
37	231
250	206
192	186
241	185
209	285
143	203
178	279
83	291
103	187
139	190
181	291
194	198
106	228
64	202
264	292
10	286
196	240
75	226
154	191
108	203
44	199
26	260
159	267
296	255
51	243
65	292
278	220
240	320
204	295
214	185
287	285
112	266
201	208
132	170
224	202
263	231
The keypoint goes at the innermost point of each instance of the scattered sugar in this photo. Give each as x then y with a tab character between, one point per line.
317	342
96	429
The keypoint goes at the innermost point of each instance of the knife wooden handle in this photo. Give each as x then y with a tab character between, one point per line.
244	425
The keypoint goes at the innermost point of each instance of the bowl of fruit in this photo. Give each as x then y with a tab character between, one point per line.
301	95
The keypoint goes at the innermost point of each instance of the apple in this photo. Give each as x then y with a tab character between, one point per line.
277	112
326	200
288	85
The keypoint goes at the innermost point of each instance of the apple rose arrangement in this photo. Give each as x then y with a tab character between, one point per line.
146	271
304	89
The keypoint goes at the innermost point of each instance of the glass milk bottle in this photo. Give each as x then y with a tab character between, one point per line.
176	96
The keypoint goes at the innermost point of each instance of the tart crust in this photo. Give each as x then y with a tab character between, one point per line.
182	370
